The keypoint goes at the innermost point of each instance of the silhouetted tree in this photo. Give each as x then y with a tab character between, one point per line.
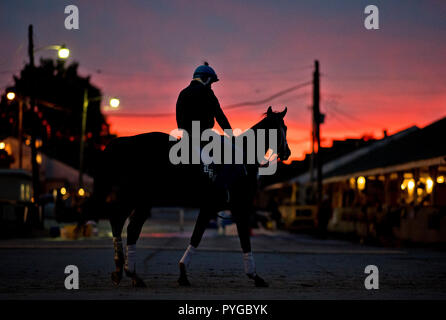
59	93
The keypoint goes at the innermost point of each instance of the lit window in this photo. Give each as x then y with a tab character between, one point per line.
361	183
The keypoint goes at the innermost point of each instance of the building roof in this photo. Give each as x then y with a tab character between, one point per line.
417	146
412	146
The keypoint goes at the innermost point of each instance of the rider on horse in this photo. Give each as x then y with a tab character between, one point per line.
198	102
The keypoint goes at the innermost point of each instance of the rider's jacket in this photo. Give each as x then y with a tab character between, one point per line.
198	102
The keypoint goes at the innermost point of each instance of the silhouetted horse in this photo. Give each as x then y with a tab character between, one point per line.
135	174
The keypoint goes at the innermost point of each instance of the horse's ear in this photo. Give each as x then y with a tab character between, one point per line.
283	113
269	111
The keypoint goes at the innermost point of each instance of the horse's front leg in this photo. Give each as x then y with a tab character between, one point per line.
241	218
136	221
200	226
117	221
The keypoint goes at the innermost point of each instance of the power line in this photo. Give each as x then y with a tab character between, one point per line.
268	99
352	117
232	106
341	121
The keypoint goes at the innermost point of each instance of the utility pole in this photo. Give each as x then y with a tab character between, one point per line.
312	150
317	120
20	133
82	142
34	165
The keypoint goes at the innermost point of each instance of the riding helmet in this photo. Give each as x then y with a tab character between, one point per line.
204	72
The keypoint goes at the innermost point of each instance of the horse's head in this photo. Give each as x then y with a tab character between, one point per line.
275	120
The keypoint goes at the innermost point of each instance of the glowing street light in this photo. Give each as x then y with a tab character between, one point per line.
81	192
114	103
10	96
410	186
63	52
429	185
361	183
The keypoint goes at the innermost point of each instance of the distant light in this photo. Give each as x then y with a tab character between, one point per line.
403	186
429	185
419	191
352	182
10	95
114	103
64	53
81	192
2	146
440	179
361	183
63	191
39	158
410	185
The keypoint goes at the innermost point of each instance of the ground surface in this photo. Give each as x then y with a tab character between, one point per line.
296	267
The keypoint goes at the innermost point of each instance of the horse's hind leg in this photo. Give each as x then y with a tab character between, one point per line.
137	219
117	221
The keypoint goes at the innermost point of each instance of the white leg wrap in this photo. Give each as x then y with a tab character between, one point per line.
188	255
130	259
249	264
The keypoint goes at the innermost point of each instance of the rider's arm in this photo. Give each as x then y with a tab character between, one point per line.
220	116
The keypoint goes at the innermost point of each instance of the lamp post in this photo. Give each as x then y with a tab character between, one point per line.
63	53
114	103
34	166
11	96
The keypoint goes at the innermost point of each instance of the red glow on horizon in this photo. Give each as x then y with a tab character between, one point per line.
298	139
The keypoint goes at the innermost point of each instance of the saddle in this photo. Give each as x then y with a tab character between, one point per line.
222	177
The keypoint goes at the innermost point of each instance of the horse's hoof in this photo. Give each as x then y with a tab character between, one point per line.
138	283
182	280
259	282
116	277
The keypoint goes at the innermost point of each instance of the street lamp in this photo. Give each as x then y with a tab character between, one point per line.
10	96
62	51
114	103
63	54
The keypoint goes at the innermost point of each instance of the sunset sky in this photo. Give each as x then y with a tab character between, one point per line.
146	52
